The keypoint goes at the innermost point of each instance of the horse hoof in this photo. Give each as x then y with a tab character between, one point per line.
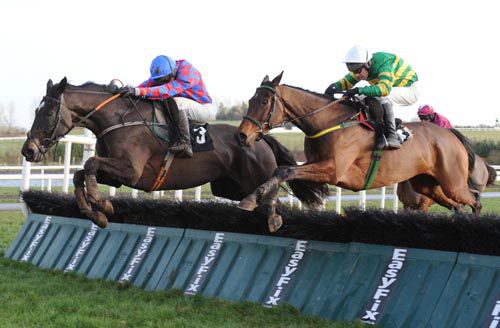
106	207
248	203
274	222
99	219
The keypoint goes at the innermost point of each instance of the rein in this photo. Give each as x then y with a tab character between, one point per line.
343	124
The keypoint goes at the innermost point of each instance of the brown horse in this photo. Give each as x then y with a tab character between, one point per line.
482	175
128	154
339	151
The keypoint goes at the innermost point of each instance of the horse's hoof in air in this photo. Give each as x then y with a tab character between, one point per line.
248	203
99	219
274	222
106	207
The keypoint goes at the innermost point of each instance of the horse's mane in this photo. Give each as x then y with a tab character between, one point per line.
322	95
348	102
91	86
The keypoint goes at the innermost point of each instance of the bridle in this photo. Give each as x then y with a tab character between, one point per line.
52	139
276	98
267	122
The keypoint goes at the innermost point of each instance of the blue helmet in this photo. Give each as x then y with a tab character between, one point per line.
162	66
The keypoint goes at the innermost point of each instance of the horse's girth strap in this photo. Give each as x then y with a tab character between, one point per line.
372	169
164	170
333	128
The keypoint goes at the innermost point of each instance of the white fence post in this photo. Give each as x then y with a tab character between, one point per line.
338	200
26	173
395	199
112	191
88	149
197	193
178	195
362	200
382	197
135	193
67	163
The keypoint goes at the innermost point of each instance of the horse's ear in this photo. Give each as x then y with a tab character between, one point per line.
62	84
277	79
266	79
50	84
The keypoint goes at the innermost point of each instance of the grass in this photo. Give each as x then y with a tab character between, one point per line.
32	297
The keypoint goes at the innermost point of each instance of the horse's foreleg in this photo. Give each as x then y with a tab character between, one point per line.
274	220
320	172
81	199
91	167
267	193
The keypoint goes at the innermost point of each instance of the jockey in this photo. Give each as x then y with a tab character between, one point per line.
180	80
392	81
427	113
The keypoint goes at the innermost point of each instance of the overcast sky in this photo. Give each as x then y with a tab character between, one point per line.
453	46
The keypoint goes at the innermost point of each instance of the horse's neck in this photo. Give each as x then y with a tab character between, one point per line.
81	104
312	113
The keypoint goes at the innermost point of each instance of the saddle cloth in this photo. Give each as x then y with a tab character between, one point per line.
165	130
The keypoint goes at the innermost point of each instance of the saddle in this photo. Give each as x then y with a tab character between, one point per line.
367	120
165	116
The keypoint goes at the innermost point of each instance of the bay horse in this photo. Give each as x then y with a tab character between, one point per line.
128	154
339	150
482	175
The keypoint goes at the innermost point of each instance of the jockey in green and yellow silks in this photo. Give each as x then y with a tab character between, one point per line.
391	79
386	71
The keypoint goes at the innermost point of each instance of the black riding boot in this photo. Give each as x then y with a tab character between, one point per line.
182	148
390	127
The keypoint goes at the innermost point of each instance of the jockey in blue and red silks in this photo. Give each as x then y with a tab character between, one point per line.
182	82
427	113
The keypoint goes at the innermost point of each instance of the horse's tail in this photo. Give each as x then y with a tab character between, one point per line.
311	193
492	175
468	147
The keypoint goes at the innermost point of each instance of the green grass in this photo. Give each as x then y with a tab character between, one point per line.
32	297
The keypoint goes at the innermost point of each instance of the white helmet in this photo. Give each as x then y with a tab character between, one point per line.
358	54
357	57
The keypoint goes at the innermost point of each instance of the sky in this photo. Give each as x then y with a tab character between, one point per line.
453	46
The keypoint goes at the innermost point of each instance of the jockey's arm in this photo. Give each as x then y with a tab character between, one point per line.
167	90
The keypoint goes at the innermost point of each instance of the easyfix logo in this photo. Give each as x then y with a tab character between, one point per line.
139	255
36	240
82	249
287	275
206	265
384	289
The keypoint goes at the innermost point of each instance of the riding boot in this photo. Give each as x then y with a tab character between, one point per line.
390	127
182	147
376	114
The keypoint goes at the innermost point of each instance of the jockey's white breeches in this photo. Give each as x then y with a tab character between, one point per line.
196	111
404	96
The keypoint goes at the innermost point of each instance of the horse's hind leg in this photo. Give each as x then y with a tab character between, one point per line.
463	195
429	187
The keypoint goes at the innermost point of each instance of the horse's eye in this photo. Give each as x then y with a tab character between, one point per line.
264	102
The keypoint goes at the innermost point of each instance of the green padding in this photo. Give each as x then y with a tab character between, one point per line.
337	281
470	294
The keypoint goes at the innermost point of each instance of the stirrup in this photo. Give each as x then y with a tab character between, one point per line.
392	144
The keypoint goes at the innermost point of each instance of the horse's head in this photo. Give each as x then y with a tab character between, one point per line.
49	125
265	111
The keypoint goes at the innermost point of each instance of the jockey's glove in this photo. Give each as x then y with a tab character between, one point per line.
331	90
129	91
351	92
